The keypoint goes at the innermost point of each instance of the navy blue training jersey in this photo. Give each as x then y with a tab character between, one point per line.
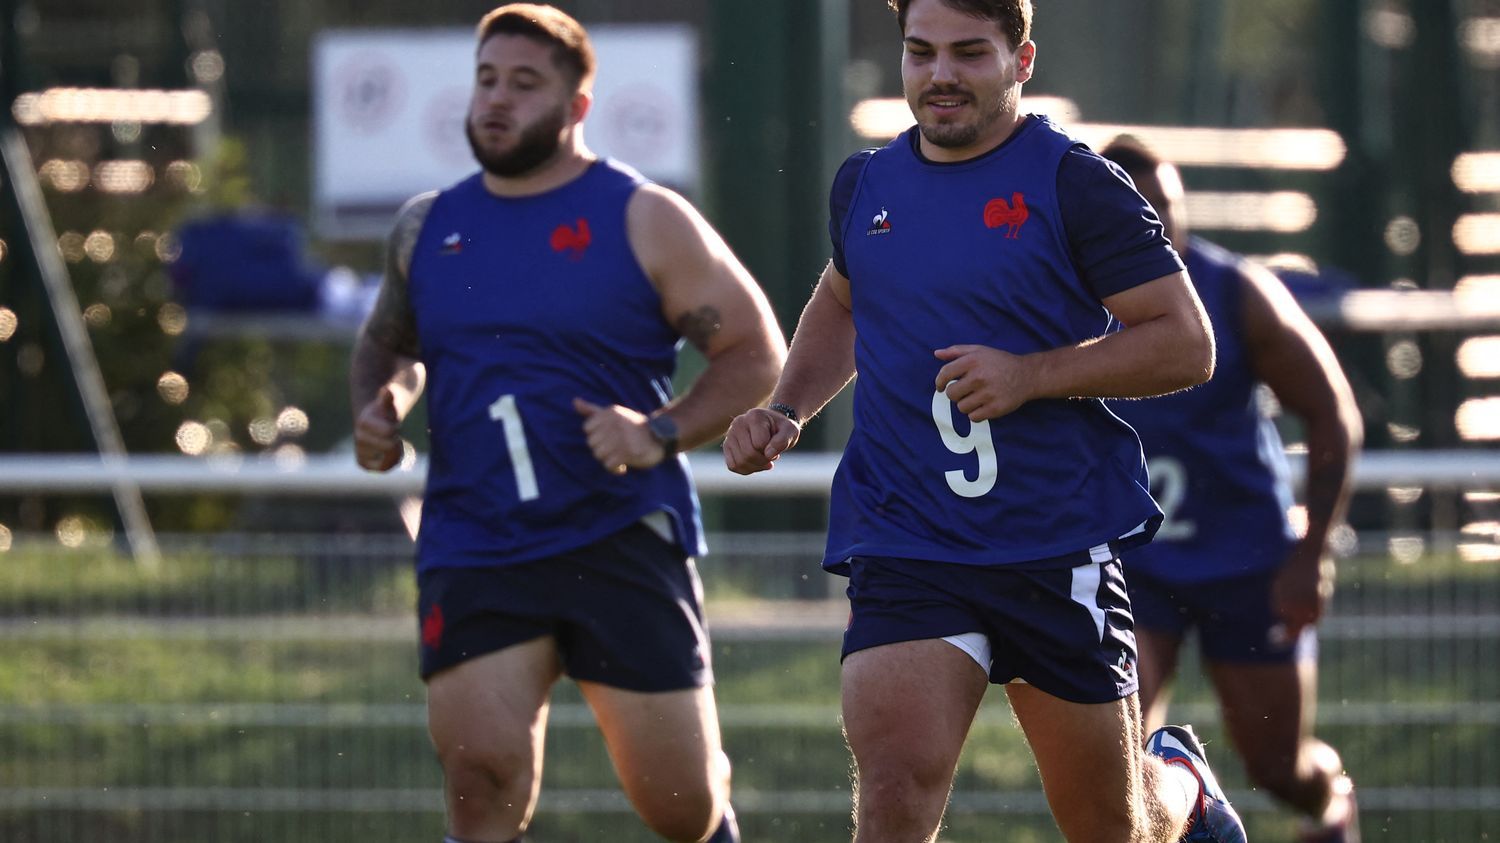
1217	464
977	252
522	304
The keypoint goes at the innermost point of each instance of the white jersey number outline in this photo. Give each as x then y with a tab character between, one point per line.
504	411
976	441
1169	485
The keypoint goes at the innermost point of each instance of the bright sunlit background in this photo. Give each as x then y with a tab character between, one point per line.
208	632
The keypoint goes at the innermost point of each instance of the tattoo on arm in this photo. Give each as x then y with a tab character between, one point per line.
390	331
370	368
391	323
699	326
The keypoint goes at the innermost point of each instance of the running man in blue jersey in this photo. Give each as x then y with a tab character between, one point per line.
985	494
541	302
1226	561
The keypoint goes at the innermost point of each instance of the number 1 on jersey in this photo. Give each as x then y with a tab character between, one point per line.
977	441
504	411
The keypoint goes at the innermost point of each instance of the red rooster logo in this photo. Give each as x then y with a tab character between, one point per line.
432	628
1013	214
571	240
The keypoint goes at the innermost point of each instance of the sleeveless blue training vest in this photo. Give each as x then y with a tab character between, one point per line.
974	252
522	304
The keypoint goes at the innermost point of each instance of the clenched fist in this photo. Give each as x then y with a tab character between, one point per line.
377	440
757	438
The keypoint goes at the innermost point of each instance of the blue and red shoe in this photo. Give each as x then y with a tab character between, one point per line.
1212	819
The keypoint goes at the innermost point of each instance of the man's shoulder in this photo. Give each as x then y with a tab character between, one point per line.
1210	252
416	209
898	147
1209	263
614	168
846	181
652	206
898	152
410	221
855	164
1043	128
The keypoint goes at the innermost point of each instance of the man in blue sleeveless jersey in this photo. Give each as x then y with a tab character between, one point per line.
1226	561
985	492
541	302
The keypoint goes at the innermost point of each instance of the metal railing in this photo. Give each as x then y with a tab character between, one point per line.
795	474
263	687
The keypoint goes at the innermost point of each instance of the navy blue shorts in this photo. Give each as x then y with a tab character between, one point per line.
626	611
1066	631
1233	617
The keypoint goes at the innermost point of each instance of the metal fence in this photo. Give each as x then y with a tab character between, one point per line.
264	688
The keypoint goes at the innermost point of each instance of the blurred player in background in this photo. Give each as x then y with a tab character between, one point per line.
985	494
543	299
1227	561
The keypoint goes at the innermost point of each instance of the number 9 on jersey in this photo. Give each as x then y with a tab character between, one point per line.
977	441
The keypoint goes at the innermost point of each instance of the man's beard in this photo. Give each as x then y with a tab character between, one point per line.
959	135
537	144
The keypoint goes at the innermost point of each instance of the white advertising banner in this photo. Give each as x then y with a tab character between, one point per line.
389	106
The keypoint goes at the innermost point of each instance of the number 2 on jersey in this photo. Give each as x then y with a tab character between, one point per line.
504	411
1169	485
976	441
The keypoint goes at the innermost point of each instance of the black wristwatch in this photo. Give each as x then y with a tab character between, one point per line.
665	431
786	410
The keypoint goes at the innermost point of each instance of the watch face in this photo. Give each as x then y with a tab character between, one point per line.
786	410
665	431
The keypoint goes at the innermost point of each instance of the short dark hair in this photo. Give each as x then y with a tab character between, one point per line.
1013	16
571	49
1133	156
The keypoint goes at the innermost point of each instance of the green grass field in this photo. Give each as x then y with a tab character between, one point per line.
266	699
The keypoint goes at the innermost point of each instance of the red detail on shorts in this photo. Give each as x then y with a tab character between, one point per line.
432	628
574	240
1012	214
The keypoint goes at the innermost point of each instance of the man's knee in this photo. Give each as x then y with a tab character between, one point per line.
686	811
683	816
902	793
483	782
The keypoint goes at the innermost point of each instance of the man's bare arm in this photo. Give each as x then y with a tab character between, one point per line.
1288	353
385	352
821	361
712	301
819	365
1166	345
